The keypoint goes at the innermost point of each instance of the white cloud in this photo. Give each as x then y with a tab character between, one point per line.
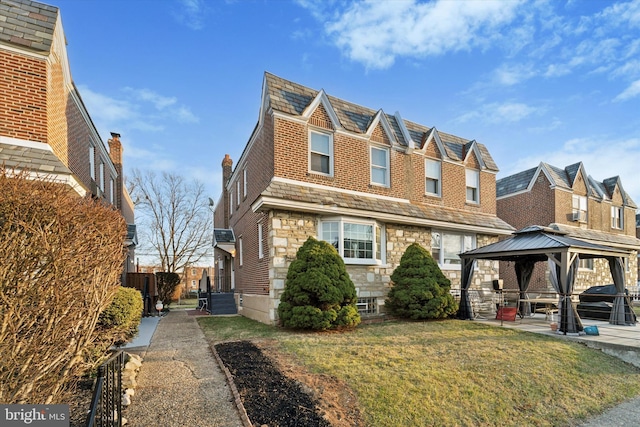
631	92
160	102
191	13
376	33
601	160
496	113
509	75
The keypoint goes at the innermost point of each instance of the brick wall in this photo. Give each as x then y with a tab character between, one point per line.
23	97
351	156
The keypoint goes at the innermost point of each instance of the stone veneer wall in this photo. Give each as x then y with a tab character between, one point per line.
289	231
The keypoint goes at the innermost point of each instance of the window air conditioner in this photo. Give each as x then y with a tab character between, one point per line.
580	216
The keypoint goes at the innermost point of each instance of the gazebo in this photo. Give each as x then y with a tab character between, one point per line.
539	244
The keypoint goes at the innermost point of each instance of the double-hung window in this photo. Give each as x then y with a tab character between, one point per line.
473	185
445	247
579	208
92	162
617	220
358	242
321	153
433	174
586	264
380	166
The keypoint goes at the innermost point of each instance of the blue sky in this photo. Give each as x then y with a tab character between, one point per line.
553	81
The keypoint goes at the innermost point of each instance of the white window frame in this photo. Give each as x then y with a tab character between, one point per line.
617	217
111	190
470	176
240	252
378	242
92	162
230	202
101	176
239	195
586	264
579	208
329	154
384	168
467	242
244	182
437	179
260	245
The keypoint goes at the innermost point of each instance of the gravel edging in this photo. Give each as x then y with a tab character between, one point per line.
234	390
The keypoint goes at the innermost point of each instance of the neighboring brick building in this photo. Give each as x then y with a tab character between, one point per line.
571	201
368	182
45	127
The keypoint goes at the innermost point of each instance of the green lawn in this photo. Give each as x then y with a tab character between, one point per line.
453	372
184	303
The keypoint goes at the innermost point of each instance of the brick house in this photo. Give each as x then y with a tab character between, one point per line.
368	182
573	202
45	127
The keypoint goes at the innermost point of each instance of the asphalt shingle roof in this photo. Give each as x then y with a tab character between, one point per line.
27	24
326	197
34	159
563	178
292	98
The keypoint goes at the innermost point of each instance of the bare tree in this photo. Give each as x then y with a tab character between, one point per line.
173	216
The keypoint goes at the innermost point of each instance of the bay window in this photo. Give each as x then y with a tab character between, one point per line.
358	242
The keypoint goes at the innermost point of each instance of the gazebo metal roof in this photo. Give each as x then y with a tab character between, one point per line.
536	242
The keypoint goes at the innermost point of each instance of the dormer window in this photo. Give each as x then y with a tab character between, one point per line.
433	173
321	153
579	208
380	166
617	219
473	186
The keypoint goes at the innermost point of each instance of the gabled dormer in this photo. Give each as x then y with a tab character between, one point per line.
320	113
380	130
432	142
471	150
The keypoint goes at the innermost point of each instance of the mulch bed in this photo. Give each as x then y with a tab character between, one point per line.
268	396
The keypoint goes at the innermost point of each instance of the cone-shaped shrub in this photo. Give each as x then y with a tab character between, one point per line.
319	293
420	290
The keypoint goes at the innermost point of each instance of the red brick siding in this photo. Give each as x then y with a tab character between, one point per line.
23	97
253	275
351	156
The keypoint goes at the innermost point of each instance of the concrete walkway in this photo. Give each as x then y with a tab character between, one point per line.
180	383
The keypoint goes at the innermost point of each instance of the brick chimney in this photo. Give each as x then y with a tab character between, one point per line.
115	152
227	169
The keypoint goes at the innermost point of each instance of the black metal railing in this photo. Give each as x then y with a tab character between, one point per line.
106	404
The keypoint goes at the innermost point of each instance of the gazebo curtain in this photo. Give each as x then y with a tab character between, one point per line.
464	310
524	269
621	313
570	322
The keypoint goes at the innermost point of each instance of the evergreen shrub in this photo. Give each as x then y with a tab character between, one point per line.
319	294
121	318
167	284
420	290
